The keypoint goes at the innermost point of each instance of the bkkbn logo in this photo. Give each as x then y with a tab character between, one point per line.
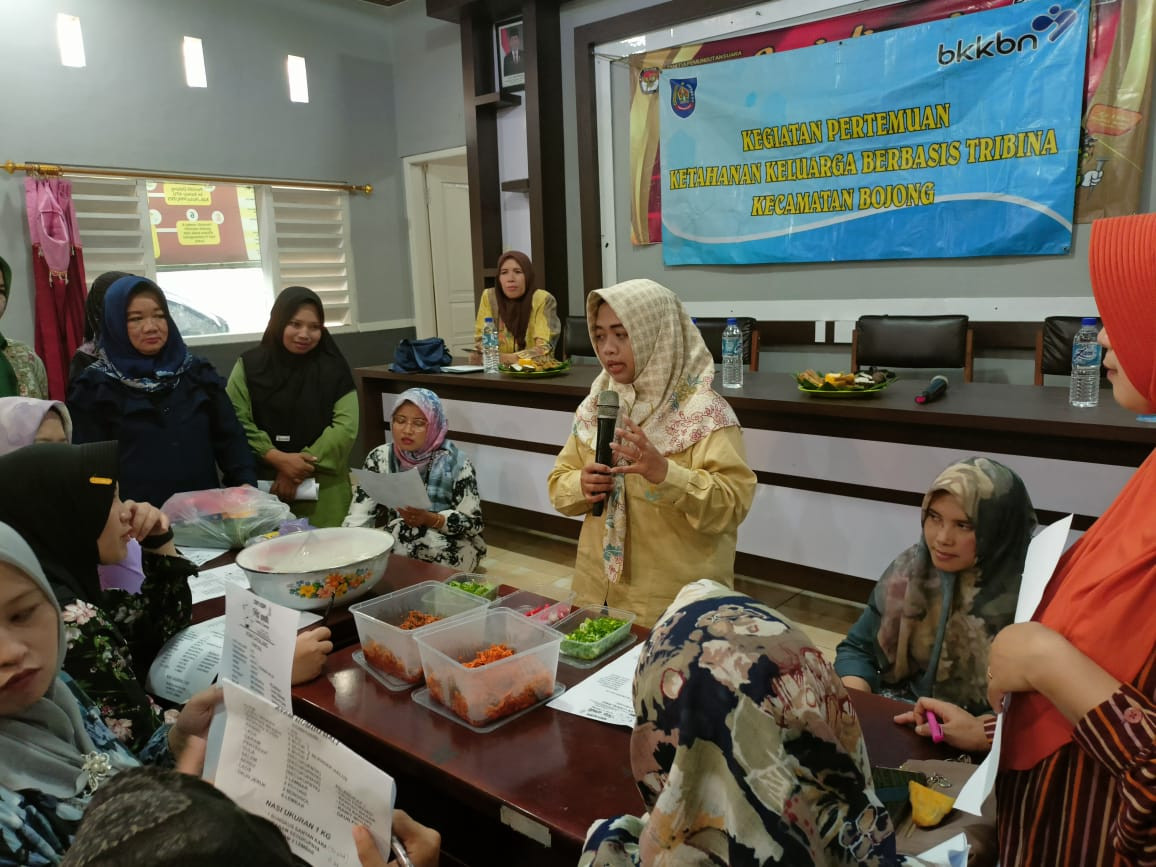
991	46
1058	19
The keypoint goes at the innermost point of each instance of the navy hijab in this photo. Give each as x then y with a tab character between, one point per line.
120	360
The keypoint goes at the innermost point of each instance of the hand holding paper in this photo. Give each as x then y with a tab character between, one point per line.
396	490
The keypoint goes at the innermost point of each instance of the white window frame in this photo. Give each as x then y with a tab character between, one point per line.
138	258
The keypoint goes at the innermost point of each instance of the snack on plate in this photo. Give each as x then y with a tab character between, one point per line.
537	363
812	380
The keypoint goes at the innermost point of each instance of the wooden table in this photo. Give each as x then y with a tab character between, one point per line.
549	773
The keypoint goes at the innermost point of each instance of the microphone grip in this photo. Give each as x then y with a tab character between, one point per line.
602	452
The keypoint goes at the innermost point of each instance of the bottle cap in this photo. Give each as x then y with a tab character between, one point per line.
732	320
1089	320
490	320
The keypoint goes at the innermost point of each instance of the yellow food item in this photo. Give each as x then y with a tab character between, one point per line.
928	807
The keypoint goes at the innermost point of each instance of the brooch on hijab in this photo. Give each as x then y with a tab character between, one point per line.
98	767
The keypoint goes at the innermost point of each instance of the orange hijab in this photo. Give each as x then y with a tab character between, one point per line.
1102	594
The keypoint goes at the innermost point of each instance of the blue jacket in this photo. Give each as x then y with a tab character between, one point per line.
171	441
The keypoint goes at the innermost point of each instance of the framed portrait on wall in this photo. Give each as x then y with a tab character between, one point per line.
511	54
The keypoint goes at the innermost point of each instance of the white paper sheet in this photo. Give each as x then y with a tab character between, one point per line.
1043	555
949	853
307	491
606	694
463	368
312	787
396	490
200	556
188	662
211	583
260	637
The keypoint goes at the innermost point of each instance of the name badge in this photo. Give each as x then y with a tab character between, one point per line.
282	438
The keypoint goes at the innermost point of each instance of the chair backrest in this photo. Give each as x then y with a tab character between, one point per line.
1054	347
576	338
913	341
711	328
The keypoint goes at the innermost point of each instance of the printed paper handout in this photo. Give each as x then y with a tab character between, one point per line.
396	490
606	694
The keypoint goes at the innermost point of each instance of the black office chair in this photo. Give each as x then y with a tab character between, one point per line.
576	338
711	328
1054	347
912	341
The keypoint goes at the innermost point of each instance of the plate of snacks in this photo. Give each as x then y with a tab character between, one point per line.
859	384
540	367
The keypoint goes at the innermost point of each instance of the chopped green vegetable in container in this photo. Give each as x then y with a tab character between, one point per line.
594	637
489	591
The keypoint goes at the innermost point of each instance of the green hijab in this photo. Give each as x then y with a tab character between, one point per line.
9	387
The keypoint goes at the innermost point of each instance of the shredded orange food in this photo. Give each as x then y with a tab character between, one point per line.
491	654
418	619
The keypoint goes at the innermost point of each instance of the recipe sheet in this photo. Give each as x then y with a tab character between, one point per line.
211	583
1044	553
396	490
311	786
605	695
260	637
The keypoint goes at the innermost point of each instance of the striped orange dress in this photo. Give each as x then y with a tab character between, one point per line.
1093	801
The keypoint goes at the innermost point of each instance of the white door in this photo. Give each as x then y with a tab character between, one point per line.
448	198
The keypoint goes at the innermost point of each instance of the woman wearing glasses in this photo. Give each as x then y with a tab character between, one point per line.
451	532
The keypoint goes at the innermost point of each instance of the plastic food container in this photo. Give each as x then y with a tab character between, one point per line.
588	651
390	649
485	694
490	591
544	609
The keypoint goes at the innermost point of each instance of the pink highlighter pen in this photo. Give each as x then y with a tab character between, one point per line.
933	727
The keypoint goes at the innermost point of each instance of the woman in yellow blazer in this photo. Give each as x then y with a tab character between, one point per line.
526	317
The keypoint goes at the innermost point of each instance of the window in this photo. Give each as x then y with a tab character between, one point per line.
194	56
218	250
298	80
70	40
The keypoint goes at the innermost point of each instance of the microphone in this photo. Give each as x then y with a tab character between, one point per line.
936	389
607	421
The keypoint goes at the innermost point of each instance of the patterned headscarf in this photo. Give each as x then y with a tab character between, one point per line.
923	655
151	817
746	748
21	417
120	360
671	397
46	744
438	461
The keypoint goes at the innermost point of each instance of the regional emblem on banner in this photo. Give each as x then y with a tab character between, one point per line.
682	95
648	79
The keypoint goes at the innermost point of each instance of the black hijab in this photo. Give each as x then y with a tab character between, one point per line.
58	499
293	395
94	303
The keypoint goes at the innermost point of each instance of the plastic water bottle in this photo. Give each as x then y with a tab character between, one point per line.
1085	387
732	355
490	346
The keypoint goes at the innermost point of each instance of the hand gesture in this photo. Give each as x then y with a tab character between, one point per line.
189	732
641	455
419	517
596	482
297	466
960	729
313	646
147	520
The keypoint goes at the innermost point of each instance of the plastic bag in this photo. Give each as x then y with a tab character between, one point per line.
223	517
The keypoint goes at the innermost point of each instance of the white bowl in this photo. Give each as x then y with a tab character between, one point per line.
305	570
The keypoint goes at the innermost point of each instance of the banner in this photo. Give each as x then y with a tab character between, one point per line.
1116	93
959	137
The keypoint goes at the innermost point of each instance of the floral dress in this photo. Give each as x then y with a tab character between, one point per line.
112	643
36	828
459	544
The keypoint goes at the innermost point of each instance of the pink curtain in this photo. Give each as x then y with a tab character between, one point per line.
58	268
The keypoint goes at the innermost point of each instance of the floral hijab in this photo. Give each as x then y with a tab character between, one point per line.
21	417
937	627
439	460
671	397
746	748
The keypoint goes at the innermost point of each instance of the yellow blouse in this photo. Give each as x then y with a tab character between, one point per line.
682	529
543	329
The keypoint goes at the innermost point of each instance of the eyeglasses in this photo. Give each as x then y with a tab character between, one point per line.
412	423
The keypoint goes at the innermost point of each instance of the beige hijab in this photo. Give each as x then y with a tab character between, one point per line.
671	397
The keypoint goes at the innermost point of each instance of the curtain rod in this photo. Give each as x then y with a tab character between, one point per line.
47	169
